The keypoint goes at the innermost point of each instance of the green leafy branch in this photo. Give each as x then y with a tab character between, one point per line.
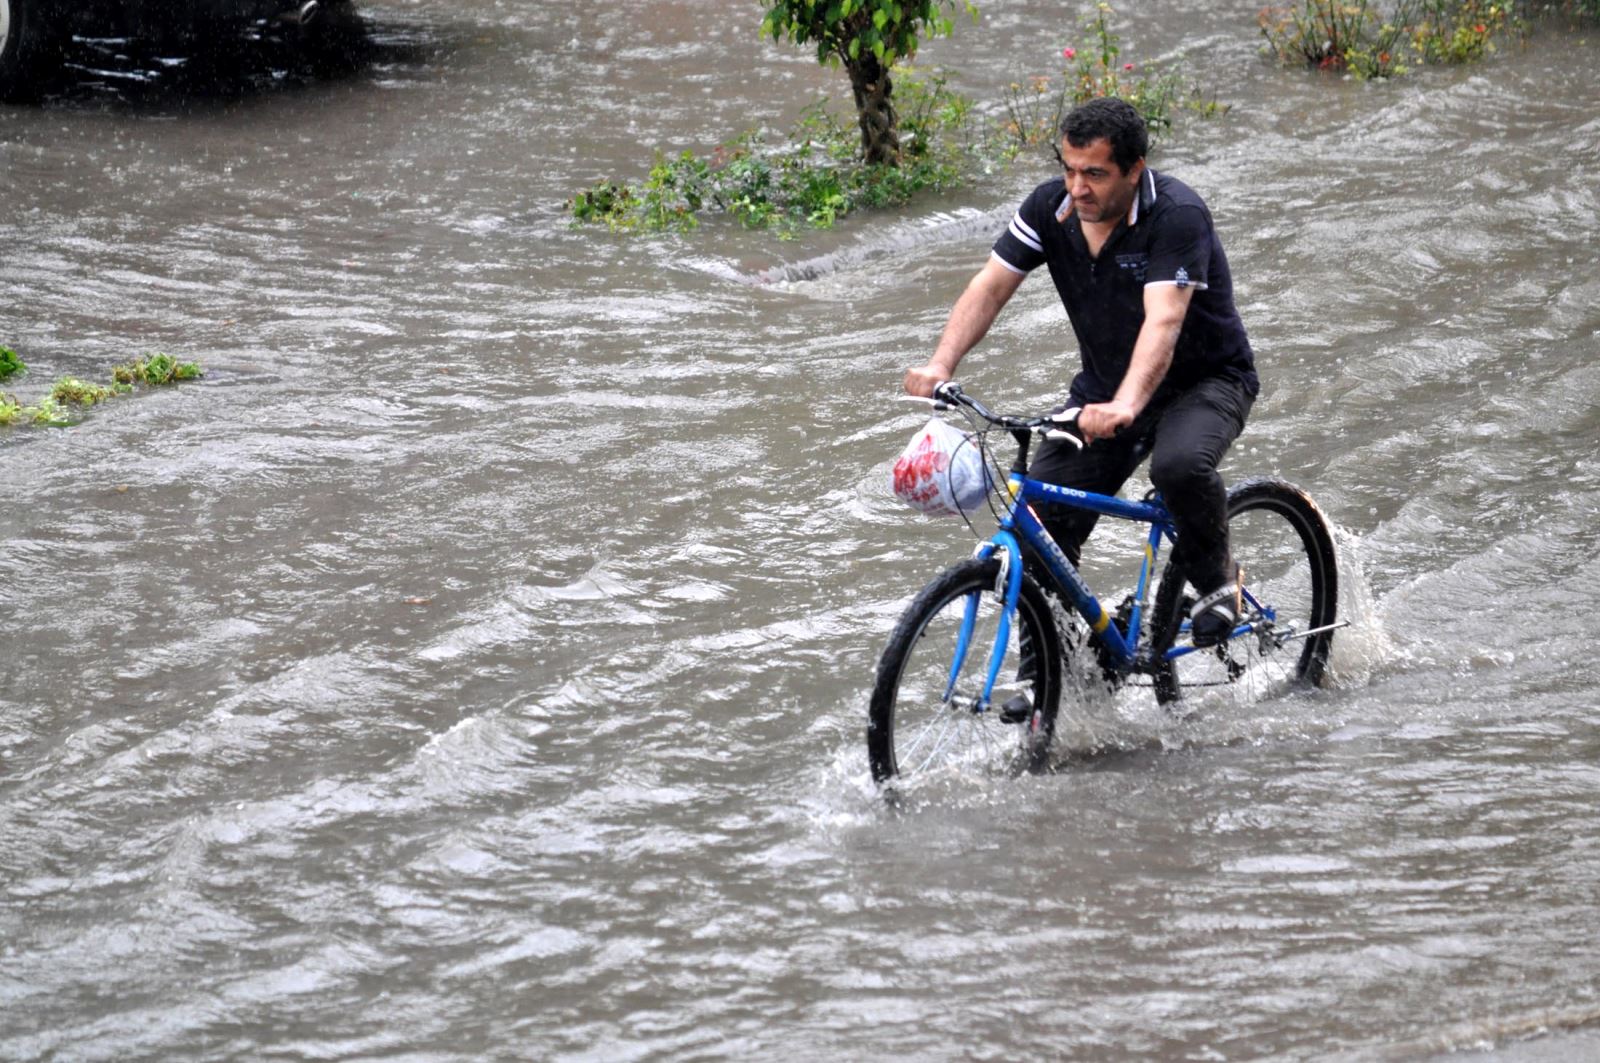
844	30
69	394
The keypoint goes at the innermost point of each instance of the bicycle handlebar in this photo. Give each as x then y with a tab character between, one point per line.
1061	426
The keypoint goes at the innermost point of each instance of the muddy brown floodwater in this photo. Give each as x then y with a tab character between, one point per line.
474	665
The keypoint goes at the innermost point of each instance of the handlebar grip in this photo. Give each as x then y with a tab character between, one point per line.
1067	429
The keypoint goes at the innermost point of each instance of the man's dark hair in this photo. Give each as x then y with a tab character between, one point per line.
1112	119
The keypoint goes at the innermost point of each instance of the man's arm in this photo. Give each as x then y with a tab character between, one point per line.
1164	308
969	322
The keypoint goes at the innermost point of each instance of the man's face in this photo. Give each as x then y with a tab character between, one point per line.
1100	191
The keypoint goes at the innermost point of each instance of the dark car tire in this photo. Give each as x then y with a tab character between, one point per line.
336	41
32	40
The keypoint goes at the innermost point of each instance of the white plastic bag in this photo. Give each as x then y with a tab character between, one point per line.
941	471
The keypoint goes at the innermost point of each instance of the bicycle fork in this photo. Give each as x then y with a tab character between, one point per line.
1009	586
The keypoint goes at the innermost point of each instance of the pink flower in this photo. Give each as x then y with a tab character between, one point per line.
1126	67
1068	53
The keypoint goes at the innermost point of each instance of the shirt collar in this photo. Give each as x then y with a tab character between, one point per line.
1146	197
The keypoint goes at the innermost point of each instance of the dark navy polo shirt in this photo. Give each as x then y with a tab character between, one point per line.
1167	238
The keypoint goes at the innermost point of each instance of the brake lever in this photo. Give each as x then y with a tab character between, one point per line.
1071	434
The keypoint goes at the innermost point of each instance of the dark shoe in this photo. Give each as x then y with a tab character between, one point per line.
1215	615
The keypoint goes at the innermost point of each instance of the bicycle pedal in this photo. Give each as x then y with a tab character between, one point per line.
1016	709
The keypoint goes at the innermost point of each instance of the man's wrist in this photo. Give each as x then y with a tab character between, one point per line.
1131	407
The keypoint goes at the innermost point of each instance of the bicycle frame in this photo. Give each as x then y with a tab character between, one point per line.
1021	524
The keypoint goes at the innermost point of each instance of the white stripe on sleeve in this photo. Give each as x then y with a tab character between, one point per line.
1024	232
996	256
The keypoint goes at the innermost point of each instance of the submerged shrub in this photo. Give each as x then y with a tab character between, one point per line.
1369	40
817	177
70	391
67	393
47	414
1034	109
156	370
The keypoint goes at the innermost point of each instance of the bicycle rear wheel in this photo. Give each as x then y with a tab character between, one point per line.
923	717
1279	538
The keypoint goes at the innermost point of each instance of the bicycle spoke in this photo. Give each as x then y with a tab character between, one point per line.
1276	536
940	726
914	728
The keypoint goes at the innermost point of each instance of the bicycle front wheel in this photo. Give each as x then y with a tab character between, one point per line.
1279	538
925	717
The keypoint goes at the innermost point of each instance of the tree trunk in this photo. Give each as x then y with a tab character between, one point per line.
880	135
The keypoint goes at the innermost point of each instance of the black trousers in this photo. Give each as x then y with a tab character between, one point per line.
1185	439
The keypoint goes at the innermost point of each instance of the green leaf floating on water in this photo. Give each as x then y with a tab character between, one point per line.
10	364
70	391
155	370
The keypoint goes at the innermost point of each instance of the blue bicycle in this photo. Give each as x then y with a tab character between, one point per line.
974	671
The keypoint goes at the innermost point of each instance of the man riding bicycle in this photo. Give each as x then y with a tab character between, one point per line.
1167	369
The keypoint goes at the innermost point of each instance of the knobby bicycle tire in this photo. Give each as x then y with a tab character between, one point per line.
1279	537
913	729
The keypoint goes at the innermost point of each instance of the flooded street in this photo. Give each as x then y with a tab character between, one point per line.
474	664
